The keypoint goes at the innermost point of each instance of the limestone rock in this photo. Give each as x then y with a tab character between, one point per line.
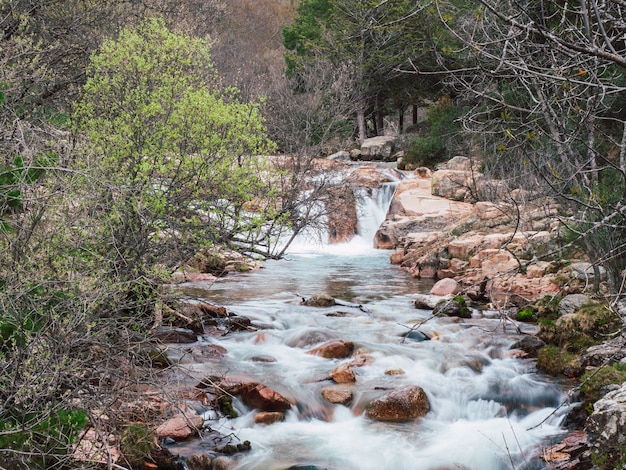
404	404
605	427
334	349
377	148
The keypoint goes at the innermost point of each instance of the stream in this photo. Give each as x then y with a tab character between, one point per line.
488	409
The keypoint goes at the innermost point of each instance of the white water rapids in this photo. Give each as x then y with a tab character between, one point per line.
489	411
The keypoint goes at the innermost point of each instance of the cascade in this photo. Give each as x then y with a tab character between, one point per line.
489	410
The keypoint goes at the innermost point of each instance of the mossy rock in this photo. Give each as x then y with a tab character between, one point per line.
595	380
527	314
576	332
556	361
456	307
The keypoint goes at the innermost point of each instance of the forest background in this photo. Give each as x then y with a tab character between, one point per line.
135	134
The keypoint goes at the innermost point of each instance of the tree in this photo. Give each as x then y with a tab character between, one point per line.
175	158
373	39
546	85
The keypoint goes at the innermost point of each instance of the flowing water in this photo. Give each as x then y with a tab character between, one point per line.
488	409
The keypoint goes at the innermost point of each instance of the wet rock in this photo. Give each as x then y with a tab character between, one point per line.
180	427
337	396
223	463
394	372
343	374
530	344
415	335
199	462
403	404
175	335
455	307
605	428
263	359
269	417
334	349
445	286
572	453
309	338
320	300
428	302
260	397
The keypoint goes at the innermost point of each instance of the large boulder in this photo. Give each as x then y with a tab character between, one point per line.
605	429
446	286
378	148
343	374
404	404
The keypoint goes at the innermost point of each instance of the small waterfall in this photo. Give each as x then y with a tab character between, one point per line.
373	205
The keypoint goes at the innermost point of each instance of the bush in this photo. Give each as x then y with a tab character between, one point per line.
433	147
594	380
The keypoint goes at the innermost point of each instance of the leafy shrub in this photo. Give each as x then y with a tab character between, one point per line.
432	148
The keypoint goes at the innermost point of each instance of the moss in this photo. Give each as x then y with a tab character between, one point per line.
594	380
575	333
225	405
556	361
527	314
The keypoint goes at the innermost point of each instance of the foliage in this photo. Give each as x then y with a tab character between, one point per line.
433	147
177	155
48	439
136	443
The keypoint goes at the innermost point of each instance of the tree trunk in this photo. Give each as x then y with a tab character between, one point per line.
401	121
361	121
414	114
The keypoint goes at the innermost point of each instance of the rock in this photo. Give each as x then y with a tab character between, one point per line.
334	349
260	397
337	396
445	287
377	148
223	463
175	335
320	300
404	404
342	222
341	155
572	453
198	462
415	335
428	302
269	417
455	307
394	372
343	374
530	344
572	302
605	428
612	349
180	427
584	272
459	163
